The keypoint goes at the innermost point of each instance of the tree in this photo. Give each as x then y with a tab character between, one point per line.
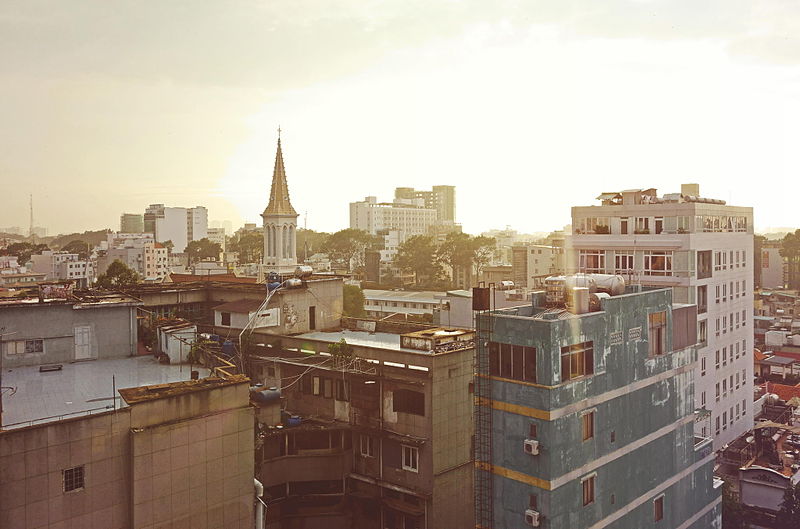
790	250
117	275
353	302
311	241
249	245
758	244
465	254
789	514
345	248
169	245
418	254
203	249
77	246
23	250
732	513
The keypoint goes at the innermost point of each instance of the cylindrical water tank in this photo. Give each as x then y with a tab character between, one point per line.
796	339
293	283
303	271
580	300
264	395
610	283
505	285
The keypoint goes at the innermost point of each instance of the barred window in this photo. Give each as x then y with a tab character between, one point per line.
73	479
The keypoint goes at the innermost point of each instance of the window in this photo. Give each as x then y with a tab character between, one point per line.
737	410
342	390
683	224
717	425
658	224
702	332
730	415
658	263
226	318
73	479
724	387
410	458
315	386
724	356
594	225
724	420
408	401
533	501
512	361
588	490
737	383
717	353
702	299
587	422
623	225
577	360
658	508
657	332
717	392
532	431
642	225
623	263
703	366
744	406
592	260
367	445
703	399
327	388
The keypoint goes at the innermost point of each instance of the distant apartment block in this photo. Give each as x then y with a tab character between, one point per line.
440	198
585	411
772	266
138	251
217	235
409	217
131	223
62	266
702	249
179	225
532	263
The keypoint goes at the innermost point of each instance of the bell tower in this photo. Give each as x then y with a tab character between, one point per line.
280	222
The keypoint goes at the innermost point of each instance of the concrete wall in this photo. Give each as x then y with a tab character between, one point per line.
113	331
31	482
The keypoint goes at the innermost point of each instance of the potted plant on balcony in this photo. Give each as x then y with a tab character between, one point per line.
602	230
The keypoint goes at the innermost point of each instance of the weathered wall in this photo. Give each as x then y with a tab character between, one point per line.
31	482
113	331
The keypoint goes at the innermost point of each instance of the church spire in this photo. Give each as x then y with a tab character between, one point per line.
279	203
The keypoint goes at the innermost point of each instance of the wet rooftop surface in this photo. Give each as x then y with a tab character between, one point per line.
81	387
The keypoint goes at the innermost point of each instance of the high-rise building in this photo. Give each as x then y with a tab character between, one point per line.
408	217
702	249
131	223
179	225
280	223
585	411
440	198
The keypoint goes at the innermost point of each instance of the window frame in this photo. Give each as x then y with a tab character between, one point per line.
412	463
73	479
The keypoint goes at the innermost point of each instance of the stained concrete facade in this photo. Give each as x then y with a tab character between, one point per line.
640	448
60	331
180	456
349	464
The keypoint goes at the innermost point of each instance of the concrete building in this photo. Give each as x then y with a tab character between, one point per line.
138	251
63	266
456	307
179	225
440	198
174	454
585	413
280	223
402	304
217	235
702	249
532	263
772	266
131	223
408	217
61	326
381	436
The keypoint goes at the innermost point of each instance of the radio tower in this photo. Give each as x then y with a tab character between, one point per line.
31	228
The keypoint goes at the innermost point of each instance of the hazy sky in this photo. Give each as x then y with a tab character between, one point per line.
528	107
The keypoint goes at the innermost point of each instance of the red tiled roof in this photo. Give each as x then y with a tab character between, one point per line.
222	278
783	391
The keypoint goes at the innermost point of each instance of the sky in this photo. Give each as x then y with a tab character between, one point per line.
527	107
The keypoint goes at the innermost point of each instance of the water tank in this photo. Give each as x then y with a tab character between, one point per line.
579	300
775	337
272	286
505	285
264	395
581	280
228	348
293	283
609	283
303	271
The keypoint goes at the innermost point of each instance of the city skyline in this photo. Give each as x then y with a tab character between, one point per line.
519	105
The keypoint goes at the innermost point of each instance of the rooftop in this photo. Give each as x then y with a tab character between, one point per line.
79	388
381	340
404	295
162	391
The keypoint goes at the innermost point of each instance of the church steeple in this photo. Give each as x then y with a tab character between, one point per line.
279	203
280	222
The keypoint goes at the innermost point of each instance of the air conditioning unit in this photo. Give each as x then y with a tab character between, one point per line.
532	517
531	447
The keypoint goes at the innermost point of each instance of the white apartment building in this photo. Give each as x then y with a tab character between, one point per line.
139	252
703	249
409	217
532	263
60	266
179	225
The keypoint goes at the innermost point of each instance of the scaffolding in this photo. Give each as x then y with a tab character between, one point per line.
482	299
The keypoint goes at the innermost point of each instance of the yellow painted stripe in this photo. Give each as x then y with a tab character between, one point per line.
513	474
515	408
